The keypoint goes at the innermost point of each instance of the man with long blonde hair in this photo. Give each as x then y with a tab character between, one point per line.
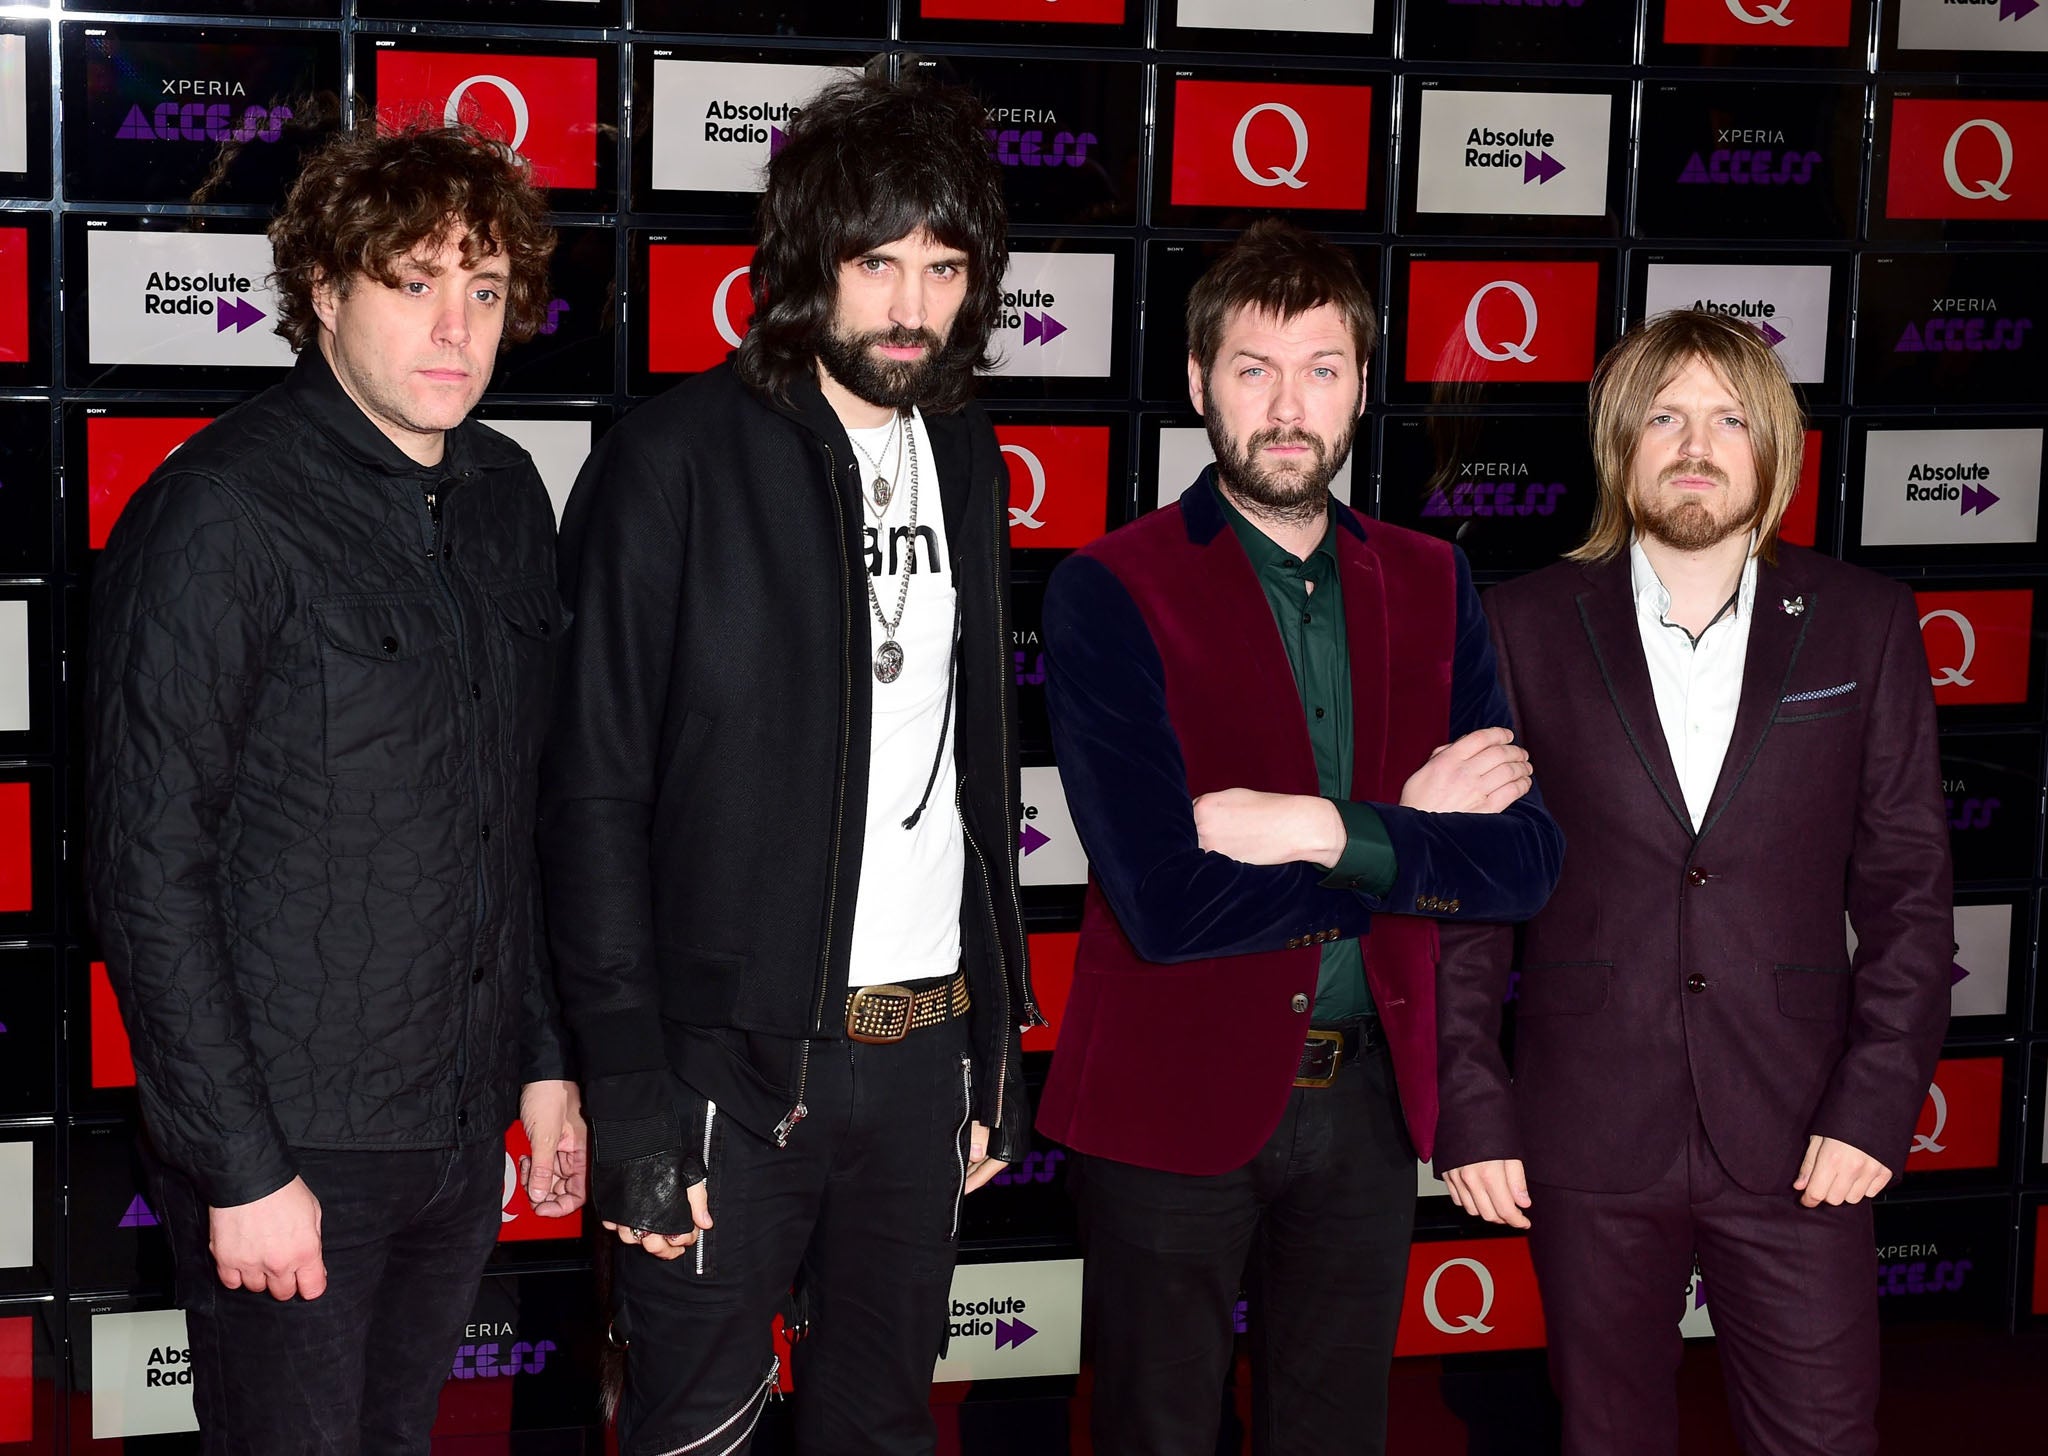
1738	740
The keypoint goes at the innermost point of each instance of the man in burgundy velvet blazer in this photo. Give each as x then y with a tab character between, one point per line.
1264	709
1740	745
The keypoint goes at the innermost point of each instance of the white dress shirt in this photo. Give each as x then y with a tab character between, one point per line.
1698	682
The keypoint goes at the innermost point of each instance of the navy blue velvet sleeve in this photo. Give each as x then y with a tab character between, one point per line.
1126	783
1473	866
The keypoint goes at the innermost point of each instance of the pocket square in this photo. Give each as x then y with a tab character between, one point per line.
1814	695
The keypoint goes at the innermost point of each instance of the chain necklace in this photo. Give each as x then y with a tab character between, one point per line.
881	488
889	656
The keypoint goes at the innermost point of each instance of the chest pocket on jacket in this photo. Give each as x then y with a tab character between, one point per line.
387	672
531	622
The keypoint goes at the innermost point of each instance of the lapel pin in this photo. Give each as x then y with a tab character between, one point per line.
1794	605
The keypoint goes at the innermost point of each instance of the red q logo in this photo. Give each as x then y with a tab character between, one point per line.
1758	22
1501	322
544	107
1994	190
1465	1324
1968	159
1979	644
1263	144
1959	1124
522	119
1468	1295
1059	483
1766	15
1530	317
698	304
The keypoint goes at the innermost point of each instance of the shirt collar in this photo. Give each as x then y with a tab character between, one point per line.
1654	600
1265	553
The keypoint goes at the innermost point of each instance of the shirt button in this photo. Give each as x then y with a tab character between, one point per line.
1299	1003
1306	618
1319	712
476	690
487	833
390	646
1697	875
476	976
1696	983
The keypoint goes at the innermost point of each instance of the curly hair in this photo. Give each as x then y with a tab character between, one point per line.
866	162
369	200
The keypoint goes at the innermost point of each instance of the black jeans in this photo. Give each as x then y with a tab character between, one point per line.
404	1236
1317	1225
864	1204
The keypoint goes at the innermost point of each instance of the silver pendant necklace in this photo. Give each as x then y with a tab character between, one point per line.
889	656
880	487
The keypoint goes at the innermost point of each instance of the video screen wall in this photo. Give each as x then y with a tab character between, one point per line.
1863	181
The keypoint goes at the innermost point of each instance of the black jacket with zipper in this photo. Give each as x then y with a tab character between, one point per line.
704	787
316	717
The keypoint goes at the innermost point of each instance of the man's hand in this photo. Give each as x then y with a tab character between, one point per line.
556	1174
271	1246
1481	773
1270	829
670	1246
980	1166
1835	1172
1496	1190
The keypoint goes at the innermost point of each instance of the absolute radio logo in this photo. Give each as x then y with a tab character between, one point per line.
1968	160
1758	22
1323	17
180	299
1265	144
1788	305
1752	156
1951	487
141	1374
558	448
1058	315
1981	977
1044	12
543	107
1013	1319
1470	1295
1959	1124
1972	25
1048	848
1059	483
716	123
1513	152
121	452
699	303
517	1222
1501	322
1979	645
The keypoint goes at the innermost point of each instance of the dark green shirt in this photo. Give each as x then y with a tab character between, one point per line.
1311	627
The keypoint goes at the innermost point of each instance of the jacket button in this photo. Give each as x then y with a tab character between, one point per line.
476	976
476	690
1697	876
541	627
1696	983
486	831
1299	1003
390	646
462	1117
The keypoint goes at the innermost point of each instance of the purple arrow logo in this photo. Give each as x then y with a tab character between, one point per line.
1012	1332
1031	839
1539	167
2017	9
1977	500
776	137
1956	974
1042	328
1771	335
139	1215
234	313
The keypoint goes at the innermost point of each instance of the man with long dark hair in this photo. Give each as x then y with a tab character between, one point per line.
780	805
322	635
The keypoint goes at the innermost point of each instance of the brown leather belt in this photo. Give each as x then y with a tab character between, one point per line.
882	1014
1329	1048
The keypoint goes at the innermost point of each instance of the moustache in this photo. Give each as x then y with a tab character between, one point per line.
1280	435
902	338
1705	469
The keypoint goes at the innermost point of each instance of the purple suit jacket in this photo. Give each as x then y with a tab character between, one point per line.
1676	974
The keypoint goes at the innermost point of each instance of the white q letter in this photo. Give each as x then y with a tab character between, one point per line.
1278	176
1503	353
1028	516
1979	189
1466	1324
452	112
1954	676
1768	15
720	318
1930	1142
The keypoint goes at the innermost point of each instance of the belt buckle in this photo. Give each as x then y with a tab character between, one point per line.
1335	1041
879	1015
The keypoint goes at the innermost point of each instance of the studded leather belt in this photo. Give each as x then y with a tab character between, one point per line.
1330	1047
882	1014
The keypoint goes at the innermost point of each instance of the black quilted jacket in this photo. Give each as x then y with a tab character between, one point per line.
316	719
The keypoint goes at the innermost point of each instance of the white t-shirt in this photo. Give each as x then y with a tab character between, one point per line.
906	920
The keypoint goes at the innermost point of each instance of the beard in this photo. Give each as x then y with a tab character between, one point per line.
1284	492
1688	525
889	383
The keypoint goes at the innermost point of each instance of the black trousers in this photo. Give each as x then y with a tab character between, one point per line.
404	1236
1792	1291
1317	1225
864	1206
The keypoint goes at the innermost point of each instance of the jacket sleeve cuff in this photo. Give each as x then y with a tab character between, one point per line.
1368	864
222	1189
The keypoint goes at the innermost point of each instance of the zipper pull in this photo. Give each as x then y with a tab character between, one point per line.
783	1128
775	1378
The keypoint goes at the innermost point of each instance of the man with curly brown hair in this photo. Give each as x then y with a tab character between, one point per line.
322	646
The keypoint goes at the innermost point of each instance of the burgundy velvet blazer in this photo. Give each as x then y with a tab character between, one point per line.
1194	975
1676	973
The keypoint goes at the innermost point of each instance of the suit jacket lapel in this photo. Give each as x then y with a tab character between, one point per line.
1775	636
1607	610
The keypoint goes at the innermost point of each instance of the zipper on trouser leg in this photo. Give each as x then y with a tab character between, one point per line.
704	1157
959	1154
749	1412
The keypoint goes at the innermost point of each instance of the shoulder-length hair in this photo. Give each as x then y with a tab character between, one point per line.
370	200
1625	386
866	162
